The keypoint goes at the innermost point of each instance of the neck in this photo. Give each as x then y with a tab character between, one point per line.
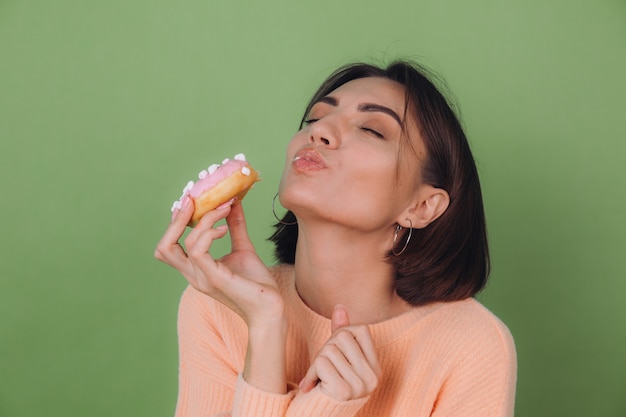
337	266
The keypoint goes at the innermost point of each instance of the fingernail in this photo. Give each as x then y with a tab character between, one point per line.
186	202
338	306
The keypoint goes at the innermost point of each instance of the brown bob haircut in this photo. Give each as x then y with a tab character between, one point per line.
449	259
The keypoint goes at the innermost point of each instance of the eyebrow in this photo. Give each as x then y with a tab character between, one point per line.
364	107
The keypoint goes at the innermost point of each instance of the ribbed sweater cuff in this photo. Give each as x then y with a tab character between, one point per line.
253	402
317	404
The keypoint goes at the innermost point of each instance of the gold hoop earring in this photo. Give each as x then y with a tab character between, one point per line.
408	239
277	218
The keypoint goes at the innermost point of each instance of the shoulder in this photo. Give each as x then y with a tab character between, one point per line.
477	359
476	320
207	328
197	309
472	324
474	333
462	331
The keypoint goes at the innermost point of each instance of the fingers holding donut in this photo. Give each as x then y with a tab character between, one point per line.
239	279
240	240
198	243
218	186
168	249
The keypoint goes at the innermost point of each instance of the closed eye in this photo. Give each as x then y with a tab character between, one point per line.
308	122
373	132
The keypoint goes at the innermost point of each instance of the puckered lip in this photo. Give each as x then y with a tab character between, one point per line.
311	156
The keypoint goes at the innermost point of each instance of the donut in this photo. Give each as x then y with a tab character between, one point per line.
216	185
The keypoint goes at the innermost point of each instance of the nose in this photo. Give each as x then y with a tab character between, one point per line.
324	133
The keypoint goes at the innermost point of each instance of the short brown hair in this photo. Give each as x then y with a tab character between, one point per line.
449	259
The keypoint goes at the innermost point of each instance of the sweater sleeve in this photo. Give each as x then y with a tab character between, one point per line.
212	341
482	383
206	374
317	404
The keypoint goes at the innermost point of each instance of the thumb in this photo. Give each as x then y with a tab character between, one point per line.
339	318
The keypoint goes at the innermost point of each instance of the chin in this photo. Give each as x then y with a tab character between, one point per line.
295	198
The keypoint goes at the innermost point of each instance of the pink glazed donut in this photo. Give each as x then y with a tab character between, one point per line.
218	184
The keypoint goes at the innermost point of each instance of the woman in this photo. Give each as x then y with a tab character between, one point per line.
370	311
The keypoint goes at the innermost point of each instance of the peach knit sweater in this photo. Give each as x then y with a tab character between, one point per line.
440	360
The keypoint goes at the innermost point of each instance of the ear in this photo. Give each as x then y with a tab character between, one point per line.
430	205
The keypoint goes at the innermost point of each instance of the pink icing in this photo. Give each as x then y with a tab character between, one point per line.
225	170
210	177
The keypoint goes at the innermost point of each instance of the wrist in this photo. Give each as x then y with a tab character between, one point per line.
265	356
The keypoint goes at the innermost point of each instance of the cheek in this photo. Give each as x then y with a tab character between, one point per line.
297	141
390	182
374	178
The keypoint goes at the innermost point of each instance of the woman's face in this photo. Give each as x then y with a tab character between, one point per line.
343	166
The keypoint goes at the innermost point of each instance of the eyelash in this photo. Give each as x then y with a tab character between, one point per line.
373	132
365	129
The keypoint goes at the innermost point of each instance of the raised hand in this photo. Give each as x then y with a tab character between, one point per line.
239	280
346	367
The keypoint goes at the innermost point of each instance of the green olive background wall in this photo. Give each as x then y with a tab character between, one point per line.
107	108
